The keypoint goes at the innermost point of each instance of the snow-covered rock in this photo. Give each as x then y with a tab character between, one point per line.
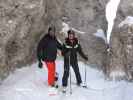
128	21
66	27
100	33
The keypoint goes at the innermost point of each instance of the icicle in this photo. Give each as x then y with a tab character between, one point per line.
111	10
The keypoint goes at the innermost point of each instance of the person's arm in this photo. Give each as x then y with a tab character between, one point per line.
42	44
39	54
39	50
40	47
81	52
59	44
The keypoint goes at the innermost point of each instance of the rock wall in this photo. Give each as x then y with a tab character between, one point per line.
120	59
24	22
21	24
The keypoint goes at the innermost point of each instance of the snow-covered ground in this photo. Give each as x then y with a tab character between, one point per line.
30	83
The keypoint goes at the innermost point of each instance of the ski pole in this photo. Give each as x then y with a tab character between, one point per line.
85	73
85	76
70	76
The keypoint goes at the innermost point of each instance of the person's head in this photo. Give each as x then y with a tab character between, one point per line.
71	34
51	31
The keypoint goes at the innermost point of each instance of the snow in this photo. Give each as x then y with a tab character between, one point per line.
111	10
30	83
100	34
128	21
66	27
114	74
80	32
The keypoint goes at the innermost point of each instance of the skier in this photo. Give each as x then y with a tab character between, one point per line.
47	52
70	49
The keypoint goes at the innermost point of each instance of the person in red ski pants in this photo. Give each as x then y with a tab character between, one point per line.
47	53
51	72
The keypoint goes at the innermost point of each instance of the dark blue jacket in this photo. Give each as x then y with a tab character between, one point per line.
47	48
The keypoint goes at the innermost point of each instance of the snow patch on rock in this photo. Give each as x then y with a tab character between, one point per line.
66	27
100	34
128	21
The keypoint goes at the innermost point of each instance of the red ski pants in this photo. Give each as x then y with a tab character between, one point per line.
51	72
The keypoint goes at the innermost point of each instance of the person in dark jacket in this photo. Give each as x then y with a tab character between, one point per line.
70	50
47	52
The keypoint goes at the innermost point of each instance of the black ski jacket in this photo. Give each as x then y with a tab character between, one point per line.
71	50
47	48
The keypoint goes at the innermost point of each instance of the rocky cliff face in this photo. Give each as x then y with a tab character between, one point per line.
21	24
120	58
24	22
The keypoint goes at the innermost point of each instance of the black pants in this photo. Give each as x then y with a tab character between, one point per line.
66	73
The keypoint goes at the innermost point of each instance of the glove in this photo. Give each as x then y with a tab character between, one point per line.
40	64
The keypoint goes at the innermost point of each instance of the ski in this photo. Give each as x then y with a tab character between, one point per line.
52	93
57	91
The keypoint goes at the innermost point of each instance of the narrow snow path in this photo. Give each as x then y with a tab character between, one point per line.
30	83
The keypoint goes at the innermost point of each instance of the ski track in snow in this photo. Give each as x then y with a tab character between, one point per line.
30	83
